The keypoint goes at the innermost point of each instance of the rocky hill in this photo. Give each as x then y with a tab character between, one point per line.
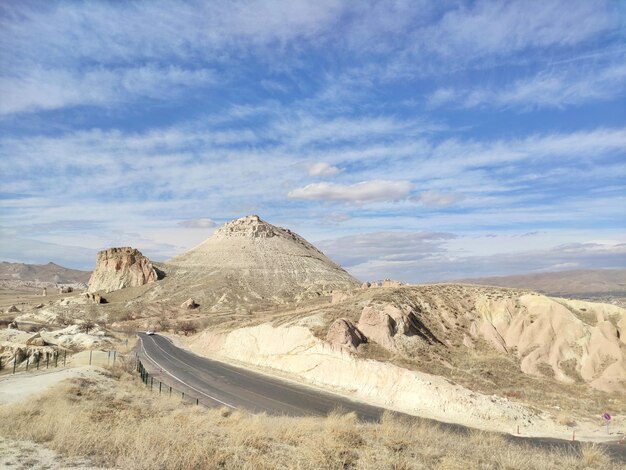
117	268
250	260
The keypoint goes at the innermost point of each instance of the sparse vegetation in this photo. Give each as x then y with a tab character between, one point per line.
188	328
116	422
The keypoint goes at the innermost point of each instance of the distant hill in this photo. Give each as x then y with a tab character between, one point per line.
588	283
43	273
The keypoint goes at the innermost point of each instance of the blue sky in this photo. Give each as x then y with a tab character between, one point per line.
413	140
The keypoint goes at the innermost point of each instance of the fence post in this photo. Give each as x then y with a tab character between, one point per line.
14	363
56	358
159	387
47	359
90	353
64	357
27	362
114	356
151	382
38	358
170	392
197	401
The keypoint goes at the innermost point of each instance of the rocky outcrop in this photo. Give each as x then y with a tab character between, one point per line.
35	340
189	304
117	268
389	324
378	326
13	309
385	283
251	227
343	335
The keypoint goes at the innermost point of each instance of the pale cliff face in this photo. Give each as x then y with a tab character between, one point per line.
117	268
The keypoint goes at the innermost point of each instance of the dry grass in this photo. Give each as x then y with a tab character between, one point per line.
116	422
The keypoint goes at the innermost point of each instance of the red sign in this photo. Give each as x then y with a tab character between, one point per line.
607	416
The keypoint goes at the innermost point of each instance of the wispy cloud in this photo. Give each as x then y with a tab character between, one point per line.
198	223
546	89
365	191
437	199
46	89
430	117
423	257
323	169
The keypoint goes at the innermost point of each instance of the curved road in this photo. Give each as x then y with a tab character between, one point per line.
218	384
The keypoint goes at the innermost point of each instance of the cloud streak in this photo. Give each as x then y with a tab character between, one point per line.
365	191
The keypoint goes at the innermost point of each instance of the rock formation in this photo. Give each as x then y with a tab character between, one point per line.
343	335
13	309
546	333
378	326
35	340
117	268
189	304
385	283
250	260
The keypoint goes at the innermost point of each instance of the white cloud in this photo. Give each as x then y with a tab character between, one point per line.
323	170
501	28
197	223
424	257
546	89
366	191
46	89
437	199
389	246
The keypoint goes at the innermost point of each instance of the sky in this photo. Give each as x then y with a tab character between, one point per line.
413	140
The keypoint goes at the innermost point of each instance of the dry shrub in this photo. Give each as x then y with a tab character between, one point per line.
565	419
117	422
593	456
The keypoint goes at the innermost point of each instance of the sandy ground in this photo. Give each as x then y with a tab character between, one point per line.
23	455
24	385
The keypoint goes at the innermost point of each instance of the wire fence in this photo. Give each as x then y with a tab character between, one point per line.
154	382
46	360
150	376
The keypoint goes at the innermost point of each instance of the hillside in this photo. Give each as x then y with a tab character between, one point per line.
246	265
253	261
48	273
581	283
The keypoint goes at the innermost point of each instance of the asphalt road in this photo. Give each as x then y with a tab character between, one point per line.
218	384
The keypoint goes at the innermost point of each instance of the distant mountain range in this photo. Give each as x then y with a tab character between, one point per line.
588	283
45	273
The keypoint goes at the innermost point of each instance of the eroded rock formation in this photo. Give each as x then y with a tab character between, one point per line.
117	268
189	304
343	335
